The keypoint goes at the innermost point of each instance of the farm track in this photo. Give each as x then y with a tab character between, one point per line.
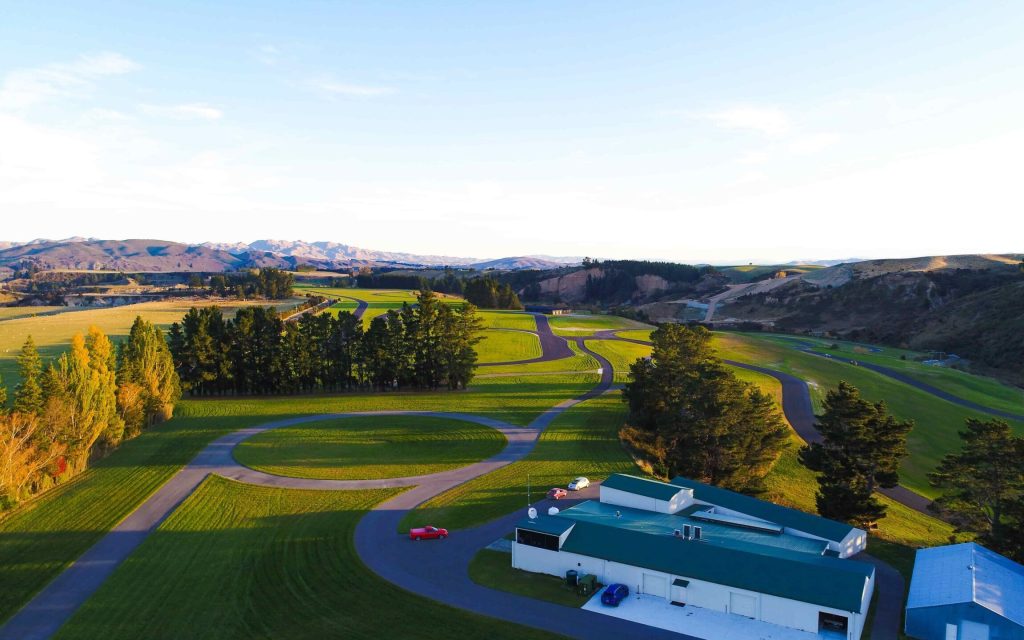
436	571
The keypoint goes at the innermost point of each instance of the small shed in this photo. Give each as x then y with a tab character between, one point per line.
965	592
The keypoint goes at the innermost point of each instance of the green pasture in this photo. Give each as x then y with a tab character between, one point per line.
583	441
620	354
508	320
10	313
579	362
636	334
586	325
937	422
504	345
241	561
371	447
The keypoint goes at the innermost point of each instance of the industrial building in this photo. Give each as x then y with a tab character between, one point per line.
965	592
701	546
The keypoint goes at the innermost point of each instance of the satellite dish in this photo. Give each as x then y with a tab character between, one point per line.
552	511
532	513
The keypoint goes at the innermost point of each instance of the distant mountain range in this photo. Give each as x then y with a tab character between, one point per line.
161	255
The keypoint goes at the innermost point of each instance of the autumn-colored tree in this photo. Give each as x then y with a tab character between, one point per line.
147	382
24	452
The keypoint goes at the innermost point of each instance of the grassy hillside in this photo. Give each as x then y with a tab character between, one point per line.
937	421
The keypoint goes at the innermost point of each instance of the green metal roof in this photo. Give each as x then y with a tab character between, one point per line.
546	524
641	486
827	582
792	518
664	524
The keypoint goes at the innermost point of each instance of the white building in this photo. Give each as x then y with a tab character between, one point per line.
708	547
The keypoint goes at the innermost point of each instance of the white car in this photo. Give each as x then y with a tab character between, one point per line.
579	483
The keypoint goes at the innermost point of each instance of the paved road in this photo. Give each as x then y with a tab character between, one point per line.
552	347
891	589
361	305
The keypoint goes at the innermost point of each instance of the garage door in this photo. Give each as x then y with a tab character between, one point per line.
656	585
742	605
973	630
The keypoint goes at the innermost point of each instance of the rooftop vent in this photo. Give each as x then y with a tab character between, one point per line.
686	531
696	533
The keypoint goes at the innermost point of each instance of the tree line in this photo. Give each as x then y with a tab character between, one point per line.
448	282
268	283
487	293
81	406
426	346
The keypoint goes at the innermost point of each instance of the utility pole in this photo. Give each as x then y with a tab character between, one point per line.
528	500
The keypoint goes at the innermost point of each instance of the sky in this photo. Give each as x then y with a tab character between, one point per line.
688	131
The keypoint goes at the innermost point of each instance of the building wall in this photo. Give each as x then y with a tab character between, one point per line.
699	593
930	623
621	498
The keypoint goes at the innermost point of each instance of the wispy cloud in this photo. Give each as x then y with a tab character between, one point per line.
333	87
268	54
190	111
25	88
768	121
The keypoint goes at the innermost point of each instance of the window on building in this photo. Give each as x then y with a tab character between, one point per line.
535	539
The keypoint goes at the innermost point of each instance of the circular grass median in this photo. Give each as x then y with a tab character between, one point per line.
369	448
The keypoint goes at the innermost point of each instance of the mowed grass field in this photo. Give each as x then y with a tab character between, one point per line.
505	345
586	325
583	441
508	320
239	561
52	333
620	354
636	334
579	362
41	537
937	422
363	448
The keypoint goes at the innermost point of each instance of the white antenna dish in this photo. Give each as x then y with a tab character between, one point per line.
532	513
552	511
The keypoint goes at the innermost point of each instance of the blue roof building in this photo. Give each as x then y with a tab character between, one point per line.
965	592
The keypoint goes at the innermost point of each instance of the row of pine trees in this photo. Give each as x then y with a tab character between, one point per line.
81	406
428	345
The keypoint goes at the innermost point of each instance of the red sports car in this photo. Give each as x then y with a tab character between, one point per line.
426	533
557	494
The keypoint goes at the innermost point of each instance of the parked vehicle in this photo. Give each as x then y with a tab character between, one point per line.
557	494
579	483
427	533
614	594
